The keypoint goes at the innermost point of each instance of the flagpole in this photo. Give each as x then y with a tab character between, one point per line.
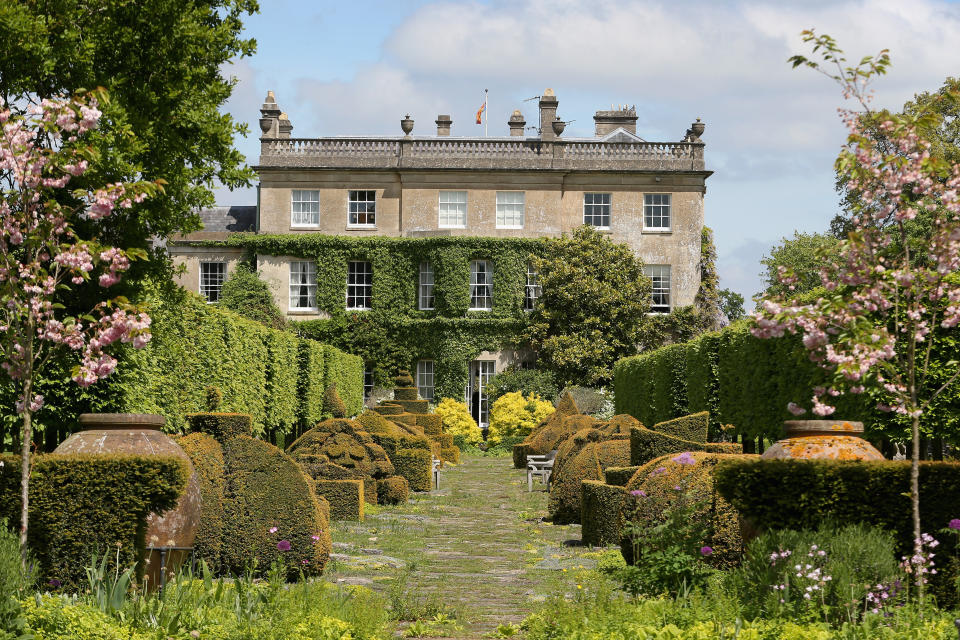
486	113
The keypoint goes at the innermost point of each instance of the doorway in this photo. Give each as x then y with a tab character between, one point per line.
481	371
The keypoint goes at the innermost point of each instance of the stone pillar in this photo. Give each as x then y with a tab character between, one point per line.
548	113
443	125
516	123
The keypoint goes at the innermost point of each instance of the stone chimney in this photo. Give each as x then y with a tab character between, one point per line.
623	116
548	113
443	125
270	117
516	123
284	126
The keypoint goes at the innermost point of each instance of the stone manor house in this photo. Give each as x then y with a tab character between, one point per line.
530	184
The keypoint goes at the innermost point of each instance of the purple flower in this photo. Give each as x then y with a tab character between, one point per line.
705	551
684	458
954	524
54	583
283	545
676	487
640	493
659	471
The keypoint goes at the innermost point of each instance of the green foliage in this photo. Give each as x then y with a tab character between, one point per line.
221	426
514	415
82	505
163	119
526	381
14	583
416	465
803	255
731	304
457	421
332	404
592	402
311	388
206	454
646	444
346	372
593	306
247	295
393	490
345	497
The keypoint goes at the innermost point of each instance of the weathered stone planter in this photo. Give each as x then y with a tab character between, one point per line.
822	440
140	434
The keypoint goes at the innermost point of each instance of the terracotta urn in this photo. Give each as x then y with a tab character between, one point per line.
140	434
822	440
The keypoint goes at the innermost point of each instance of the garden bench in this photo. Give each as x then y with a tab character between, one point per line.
436	473
541	466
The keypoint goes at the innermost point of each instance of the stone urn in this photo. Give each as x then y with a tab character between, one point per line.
140	434
822	440
698	128
558	126
407	125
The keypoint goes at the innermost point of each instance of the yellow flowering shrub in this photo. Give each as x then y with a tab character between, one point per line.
458	422
514	415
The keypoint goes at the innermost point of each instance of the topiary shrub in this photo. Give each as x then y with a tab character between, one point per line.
588	464
207	457
515	415
271	510
403	379
221	426
645	445
406	393
661	482
82	505
416	465
214	398
393	490
345	497
332	403
388	409
601	513
590	401
455	419
390	435
565	407
693	427
619	476
450	455
413	406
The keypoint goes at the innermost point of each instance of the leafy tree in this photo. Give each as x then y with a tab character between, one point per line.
804	254
245	293
731	303
526	381
41	254
161	61
594	303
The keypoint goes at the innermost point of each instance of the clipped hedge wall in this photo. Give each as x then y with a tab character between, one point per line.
86	504
345	497
588	464
645	445
693	427
601	513
313	381
208	463
416	465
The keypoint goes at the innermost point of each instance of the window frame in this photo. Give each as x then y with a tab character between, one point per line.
440	212
647	271
608	204
499	214
311	287
669	212
201	286
351	200
294	201
422	374
426	269
359	286
368	382
531	290
475	284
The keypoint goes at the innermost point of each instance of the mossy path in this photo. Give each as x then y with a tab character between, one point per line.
465	559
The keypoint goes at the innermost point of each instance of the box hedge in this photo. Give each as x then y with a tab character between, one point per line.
416	465
588	464
86	504
450	454
645	445
344	496
693	427
601	513
619	476
432	424
393	490
208	463
221	426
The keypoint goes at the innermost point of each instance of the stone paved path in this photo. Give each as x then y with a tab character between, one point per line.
476	550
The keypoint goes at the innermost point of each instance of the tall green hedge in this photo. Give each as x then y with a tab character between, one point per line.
82	505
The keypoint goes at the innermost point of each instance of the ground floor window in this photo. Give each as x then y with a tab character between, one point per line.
659	275
367	381
481	371
425	379
212	275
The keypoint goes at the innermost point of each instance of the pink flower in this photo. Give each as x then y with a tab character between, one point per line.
283	545
272	530
705	551
954	524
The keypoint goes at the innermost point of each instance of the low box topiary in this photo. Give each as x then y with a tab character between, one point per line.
450	455
619	476
432	424
416	465
344	496
601	513
588	464
406	393
393	490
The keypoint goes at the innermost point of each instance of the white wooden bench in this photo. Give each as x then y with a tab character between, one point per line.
436	473
540	466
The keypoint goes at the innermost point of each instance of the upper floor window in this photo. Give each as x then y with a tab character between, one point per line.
453	209
359	285
425	379
659	275
510	209
212	275
596	210
481	285
303	286
305	208
362	208
426	286
532	289
656	211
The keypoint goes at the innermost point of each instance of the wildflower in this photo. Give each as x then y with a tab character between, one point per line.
684	458
676	487
640	493
705	551
659	471
954	524
315	539
283	545
272	530
54	583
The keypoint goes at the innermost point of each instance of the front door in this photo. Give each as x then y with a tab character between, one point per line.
480	373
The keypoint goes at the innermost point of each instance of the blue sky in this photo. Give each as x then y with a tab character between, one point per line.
341	68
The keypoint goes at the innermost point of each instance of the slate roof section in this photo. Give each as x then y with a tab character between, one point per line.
235	218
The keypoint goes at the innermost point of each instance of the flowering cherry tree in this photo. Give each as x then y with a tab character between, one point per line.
872	327
41	257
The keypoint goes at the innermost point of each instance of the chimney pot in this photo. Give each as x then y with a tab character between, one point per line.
548	113
443	125
516	123
622	117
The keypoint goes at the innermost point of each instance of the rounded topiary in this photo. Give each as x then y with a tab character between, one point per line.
266	489
619	425
207	457
588	464
416	465
658	485
214	398
393	490
403	379
333	404
391	435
